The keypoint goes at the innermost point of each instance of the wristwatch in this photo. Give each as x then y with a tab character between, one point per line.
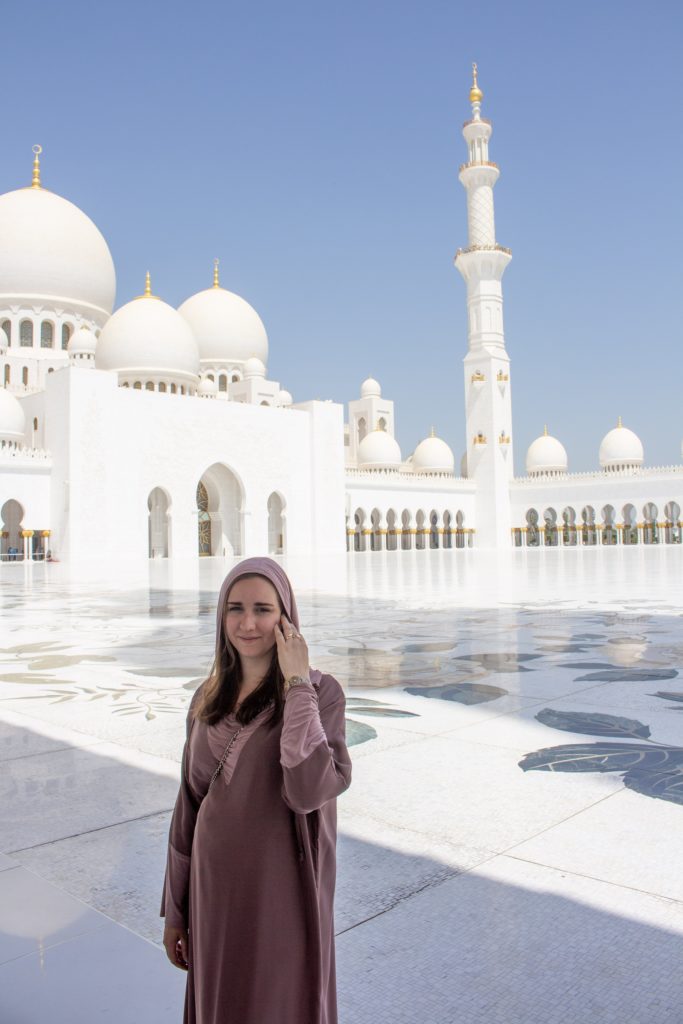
294	681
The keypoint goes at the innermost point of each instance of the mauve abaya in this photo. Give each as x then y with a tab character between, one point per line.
252	863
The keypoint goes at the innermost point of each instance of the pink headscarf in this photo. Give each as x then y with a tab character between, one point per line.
274	574
278	577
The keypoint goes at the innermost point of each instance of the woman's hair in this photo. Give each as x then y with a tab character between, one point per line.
220	690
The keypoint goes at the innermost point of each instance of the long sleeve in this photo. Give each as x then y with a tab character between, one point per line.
316	766
174	900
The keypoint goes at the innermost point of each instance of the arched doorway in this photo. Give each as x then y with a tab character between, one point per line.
158	504
532	531
609	530
589	531
276	525
220	503
650	524
569	526
550	528
359	535
672	523
630	528
12	543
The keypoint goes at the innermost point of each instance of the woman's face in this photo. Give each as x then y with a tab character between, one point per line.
251	612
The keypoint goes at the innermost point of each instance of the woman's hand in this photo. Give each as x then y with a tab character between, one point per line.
175	944
292	651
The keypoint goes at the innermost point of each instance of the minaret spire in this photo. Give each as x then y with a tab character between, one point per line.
216	282
476	95
35	183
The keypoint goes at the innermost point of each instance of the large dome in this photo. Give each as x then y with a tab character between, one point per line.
621	449
546	455
433	456
147	336
52	254
228	330
378	450
12	418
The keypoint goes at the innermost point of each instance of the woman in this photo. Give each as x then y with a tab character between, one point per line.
249	890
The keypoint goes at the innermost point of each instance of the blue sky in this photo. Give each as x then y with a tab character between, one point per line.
314	148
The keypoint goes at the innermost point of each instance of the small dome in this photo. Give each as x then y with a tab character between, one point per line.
378	450
433	456
228	330
254	367
621	449
149	336
284	398
82	342
207	388
370	388
546	455
12	418
52	254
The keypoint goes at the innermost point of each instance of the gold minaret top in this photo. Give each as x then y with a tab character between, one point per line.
37	150
476	95
216	282
619	423
432	432
545	429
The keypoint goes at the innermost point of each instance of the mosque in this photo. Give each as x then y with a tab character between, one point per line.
155	432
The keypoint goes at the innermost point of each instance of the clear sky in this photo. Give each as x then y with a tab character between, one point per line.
314	148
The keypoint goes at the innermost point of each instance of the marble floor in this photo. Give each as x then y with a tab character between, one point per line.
509	850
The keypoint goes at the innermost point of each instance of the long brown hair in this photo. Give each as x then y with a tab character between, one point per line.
220	690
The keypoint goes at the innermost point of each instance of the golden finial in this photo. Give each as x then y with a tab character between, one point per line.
476	95
619	423
432	432
147	294
216	282
37	150
545	429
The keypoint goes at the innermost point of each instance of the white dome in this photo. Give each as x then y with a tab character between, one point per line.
82	341
378	450
370	388
12	418
284	398
546	455
207	388
620	449
51	253
254	367
148	336
433	456
228	330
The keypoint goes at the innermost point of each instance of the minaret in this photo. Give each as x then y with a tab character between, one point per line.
488	406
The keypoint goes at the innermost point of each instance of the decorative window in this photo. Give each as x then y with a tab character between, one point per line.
7	373
149	386
7	328
162	386
137	385
66	334
222	383
47	334
26	333
24	376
